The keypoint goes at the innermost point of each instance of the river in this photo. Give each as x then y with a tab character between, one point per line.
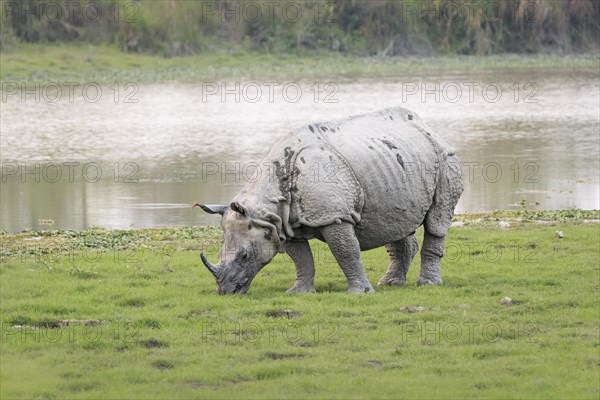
130	156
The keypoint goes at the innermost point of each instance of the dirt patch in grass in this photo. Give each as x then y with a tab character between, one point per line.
283	314
282	356
162	365
154	344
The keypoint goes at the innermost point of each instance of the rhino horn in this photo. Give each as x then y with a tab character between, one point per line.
211	267
211	208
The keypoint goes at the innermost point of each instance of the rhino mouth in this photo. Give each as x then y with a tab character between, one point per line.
236	288
228	283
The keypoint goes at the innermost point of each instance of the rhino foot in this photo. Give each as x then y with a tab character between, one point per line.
360	287
430	281
391	281
300	287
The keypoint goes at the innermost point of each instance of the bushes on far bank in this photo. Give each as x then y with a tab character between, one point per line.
374	27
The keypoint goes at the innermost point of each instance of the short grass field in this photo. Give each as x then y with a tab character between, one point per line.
43	63
131	314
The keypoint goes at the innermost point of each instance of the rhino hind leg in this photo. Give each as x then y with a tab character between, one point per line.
299	252
401	255
431	255
432	251
438	221
345	247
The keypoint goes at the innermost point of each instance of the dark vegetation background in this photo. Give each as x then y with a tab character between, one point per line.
373	27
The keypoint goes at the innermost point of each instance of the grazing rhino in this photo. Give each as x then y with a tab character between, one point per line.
358	183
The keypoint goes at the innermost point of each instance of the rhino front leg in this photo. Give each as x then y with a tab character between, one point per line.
344	246
431	255
401	255
300	253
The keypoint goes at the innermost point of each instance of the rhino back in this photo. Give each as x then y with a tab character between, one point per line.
377	171
394	159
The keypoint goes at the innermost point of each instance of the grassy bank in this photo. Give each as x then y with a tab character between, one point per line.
82	63
129	314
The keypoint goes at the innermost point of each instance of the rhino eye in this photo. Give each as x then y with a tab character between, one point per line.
244	254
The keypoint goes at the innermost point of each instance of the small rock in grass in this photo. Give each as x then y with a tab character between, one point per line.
506	301
504	224
559	234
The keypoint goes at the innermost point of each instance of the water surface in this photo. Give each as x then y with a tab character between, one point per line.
75	164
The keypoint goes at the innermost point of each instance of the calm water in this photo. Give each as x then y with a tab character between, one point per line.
74	163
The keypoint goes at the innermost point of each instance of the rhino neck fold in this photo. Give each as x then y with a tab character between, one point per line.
270	195
268	205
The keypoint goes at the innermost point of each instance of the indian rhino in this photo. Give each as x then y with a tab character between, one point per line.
358	183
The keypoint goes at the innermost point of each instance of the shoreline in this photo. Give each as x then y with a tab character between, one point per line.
187	238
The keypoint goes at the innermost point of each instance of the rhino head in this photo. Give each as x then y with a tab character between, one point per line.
251	239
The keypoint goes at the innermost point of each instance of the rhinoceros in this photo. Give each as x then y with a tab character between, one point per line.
357	183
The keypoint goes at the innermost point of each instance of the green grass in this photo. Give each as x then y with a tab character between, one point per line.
163	332
103	64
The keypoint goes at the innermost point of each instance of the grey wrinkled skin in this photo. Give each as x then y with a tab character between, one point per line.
358	183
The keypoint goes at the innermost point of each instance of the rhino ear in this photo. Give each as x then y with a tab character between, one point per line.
237	207
212	208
